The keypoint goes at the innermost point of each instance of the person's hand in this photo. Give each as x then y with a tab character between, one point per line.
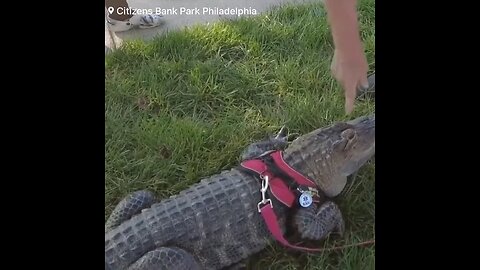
350	69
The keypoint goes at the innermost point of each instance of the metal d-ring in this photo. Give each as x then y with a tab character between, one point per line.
263	190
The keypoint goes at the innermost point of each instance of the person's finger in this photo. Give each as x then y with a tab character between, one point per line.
350	95
349	105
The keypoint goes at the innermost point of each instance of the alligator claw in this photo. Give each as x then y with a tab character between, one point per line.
282	134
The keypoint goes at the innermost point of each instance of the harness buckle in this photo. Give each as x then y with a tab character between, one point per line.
263	190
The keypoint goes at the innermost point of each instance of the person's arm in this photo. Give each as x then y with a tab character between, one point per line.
342	16
349	64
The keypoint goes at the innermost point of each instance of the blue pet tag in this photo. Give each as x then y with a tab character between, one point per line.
305	199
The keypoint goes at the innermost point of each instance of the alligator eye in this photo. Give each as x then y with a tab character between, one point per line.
350	139
348	134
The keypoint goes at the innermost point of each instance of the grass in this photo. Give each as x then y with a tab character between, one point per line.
183	106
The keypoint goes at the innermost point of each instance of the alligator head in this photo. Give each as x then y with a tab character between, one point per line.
329	155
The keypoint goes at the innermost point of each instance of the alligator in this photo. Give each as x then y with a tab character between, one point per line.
214	224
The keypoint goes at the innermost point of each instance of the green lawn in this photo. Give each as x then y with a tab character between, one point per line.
185	105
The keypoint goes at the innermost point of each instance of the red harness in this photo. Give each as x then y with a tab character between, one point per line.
301	191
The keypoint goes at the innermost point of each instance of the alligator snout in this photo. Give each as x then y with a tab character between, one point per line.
367	121
364	143
365	128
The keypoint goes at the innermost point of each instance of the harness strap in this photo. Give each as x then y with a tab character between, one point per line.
272	223
275	170
277	187
284	183
296	182
282	165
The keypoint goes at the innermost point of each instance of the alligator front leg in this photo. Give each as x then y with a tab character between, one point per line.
279	142
166	259
242	265
131	205
313	224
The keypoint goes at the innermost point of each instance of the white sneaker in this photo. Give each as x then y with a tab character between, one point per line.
137	21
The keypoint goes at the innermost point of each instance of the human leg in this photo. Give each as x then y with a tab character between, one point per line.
121	19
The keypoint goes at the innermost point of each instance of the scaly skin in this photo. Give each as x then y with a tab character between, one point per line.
215	223
316	224
213	220
128	207
330	155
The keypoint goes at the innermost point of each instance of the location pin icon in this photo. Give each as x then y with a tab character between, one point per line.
110	10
